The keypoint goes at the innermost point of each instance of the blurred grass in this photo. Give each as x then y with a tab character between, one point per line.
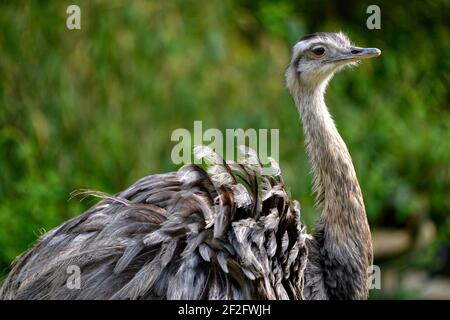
95	108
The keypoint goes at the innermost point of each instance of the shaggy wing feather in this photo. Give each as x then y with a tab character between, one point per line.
218	231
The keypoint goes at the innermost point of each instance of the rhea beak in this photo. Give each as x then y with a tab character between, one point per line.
355	54
364	53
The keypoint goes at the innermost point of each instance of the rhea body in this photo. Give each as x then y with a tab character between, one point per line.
227	231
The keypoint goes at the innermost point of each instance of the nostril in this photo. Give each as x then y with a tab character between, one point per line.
356	51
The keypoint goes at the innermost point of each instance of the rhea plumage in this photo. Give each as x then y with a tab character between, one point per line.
224	230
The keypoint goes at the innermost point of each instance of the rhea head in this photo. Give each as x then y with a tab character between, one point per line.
318	56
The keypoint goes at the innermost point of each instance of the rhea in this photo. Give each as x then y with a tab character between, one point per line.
223	229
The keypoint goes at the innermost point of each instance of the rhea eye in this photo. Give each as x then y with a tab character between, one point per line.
319	51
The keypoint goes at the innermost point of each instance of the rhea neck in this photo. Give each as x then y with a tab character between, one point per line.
335	181
342	231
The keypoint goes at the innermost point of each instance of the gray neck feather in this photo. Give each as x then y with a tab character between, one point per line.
342	231
334	174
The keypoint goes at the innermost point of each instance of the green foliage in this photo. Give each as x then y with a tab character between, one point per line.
95	108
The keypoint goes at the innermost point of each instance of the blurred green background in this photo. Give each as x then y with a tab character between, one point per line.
95	108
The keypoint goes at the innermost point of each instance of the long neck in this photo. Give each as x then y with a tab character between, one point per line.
334	175
342	231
